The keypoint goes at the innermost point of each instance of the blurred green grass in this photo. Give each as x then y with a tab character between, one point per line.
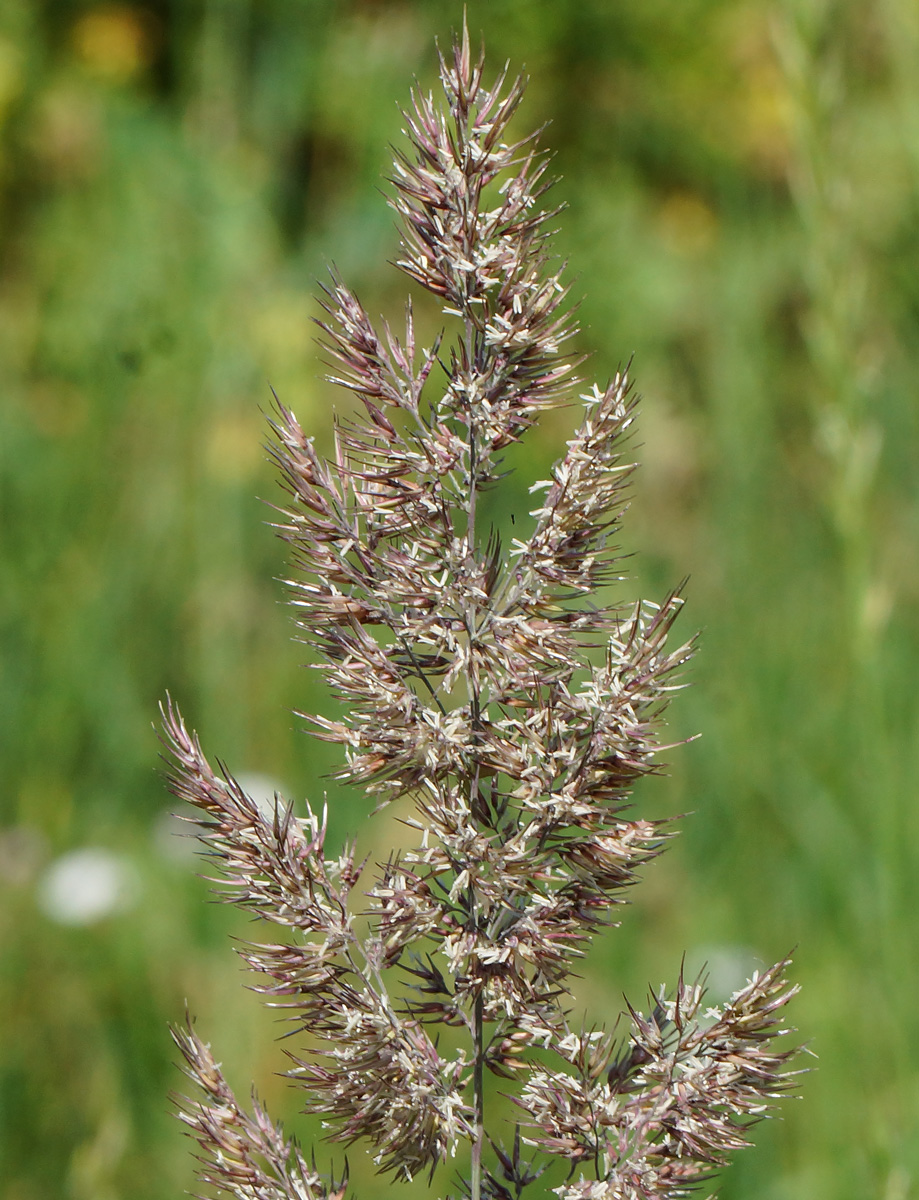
741	182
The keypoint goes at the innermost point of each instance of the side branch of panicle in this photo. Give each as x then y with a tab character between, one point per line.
385	1081
570	550
662	1114
243	1154
382	1079
272	866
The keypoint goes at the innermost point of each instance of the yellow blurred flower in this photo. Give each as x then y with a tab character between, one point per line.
766	119
759	123
114	41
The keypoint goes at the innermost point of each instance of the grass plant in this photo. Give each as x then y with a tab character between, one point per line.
468	686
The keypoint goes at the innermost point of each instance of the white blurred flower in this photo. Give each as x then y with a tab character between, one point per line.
262	789
86	885
727	968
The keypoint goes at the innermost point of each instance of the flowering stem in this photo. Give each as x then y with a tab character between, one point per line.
478	1017
520	793
478	1083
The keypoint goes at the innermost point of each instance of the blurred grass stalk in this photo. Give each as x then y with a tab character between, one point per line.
846	331
848	322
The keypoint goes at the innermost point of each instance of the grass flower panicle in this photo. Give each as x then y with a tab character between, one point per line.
469	687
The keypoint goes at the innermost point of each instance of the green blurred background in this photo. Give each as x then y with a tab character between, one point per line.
743	217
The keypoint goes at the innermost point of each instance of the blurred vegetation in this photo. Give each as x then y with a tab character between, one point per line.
743	217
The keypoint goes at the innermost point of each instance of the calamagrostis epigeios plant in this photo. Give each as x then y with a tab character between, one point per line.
468	686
